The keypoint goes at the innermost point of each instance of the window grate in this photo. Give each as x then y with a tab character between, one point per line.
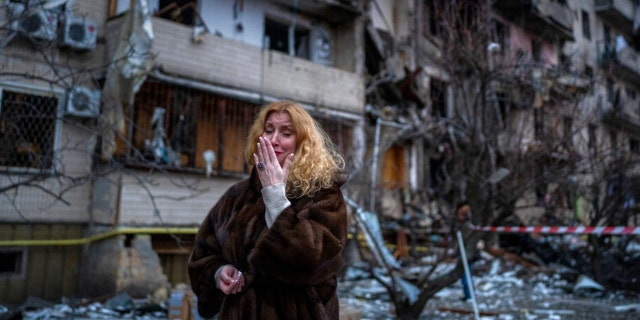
27	127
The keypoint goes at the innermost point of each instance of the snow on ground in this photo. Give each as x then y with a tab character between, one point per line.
502	292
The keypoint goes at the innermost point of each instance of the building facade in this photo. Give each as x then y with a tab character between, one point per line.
124	121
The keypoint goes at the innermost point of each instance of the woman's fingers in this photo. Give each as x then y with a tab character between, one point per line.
232	281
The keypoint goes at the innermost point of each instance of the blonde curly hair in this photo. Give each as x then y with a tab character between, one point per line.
315	161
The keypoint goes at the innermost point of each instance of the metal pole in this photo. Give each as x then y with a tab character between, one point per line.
465	263
374	168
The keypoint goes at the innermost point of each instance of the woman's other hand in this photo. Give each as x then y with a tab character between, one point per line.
230	280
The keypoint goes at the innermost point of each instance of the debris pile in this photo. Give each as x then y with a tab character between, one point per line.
179	306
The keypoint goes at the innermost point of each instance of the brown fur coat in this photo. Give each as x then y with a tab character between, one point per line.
289	269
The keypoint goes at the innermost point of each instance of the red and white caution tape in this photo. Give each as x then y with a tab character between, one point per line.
560	229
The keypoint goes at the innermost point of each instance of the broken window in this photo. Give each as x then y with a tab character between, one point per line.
286	38
27	130
313	44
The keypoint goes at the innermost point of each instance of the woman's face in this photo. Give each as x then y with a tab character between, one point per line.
279	130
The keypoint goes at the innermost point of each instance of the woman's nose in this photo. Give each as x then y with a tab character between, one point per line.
274	138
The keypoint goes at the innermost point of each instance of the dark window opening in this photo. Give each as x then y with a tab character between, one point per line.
586	25
433	11
438	98
634	145
27	130
181	11
536	51
128	240
11	262
501	36
592	143
504	105
610	90
538	117
278	39
631	94
588	71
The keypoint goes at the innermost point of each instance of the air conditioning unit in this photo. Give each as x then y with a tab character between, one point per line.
320	46
37	22
79	33
83	102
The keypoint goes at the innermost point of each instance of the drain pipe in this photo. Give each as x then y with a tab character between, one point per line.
96	237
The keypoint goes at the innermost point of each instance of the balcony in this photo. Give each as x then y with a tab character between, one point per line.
618	13
549	19
623	62
238	66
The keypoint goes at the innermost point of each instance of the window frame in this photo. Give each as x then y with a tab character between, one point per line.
33	90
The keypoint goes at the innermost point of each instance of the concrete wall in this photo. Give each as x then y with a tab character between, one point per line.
181	200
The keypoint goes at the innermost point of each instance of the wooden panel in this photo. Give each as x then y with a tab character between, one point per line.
50	271
71	263
393	171
207	130
235	133
36	262
175	268
53	266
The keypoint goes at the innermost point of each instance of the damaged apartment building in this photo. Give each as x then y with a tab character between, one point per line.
123	121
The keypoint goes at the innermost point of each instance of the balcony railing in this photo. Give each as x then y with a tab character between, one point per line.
549	19
618	13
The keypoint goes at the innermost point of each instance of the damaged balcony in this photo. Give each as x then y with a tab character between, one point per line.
549	19
618	13
255	72
621	60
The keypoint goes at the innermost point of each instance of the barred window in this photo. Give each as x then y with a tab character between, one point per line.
27	130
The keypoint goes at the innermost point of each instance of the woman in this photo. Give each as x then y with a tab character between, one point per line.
271	247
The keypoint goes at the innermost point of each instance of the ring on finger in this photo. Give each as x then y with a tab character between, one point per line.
261	166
